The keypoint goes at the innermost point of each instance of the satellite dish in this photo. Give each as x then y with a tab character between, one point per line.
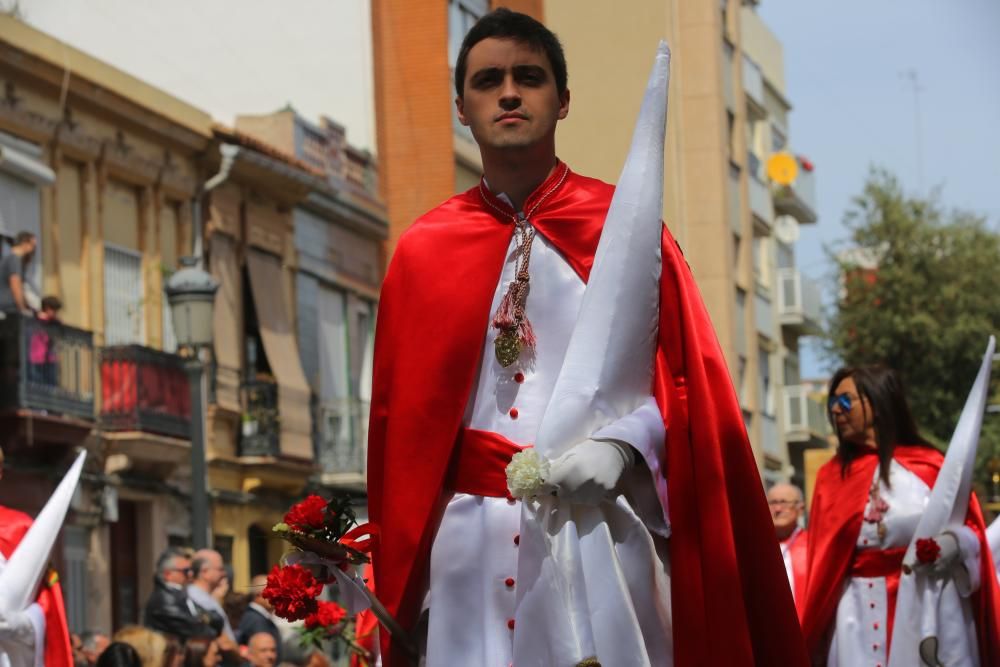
786	229
782	168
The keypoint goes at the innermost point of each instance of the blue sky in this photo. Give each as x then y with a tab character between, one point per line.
853	108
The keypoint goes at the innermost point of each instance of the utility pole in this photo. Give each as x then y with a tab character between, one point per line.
913	80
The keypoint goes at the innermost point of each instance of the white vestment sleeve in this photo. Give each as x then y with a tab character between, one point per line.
968	548
643	429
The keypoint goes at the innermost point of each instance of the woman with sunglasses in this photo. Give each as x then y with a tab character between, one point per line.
865	509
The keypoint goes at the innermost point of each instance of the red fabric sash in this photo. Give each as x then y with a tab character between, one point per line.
13	526
888	564
480	463
433	316
835	521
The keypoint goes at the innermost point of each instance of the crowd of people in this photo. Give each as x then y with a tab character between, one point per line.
193	618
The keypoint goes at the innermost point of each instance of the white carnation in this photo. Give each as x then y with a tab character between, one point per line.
526	473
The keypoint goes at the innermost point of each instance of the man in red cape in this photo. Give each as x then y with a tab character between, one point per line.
730	603
56	649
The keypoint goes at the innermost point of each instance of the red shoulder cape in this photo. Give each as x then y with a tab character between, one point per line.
730	597
834	523
13	526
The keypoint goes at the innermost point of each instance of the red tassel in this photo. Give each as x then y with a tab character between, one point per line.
527	334
504	318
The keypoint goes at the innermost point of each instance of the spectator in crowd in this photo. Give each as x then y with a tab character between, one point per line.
258	617
120	654
318	659
13	268
42	352
235	605
787	505
150	645
201	653
169	609
262	650
210	577
76	645
93	644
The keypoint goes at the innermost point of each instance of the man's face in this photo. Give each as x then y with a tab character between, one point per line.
785	503
510	99
212	571
262	651
179	572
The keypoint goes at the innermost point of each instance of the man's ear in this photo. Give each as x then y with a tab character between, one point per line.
564	104
460	107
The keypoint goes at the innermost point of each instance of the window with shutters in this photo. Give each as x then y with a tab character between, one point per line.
124	323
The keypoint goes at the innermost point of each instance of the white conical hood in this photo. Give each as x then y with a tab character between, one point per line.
19	579
919	594
607	373
608	369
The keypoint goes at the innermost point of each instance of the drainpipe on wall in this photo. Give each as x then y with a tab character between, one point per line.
228	153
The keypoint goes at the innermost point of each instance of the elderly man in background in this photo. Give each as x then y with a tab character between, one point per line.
787	506
258	616
262	650
169	609
92	645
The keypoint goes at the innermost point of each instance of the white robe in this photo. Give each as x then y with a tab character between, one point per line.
474	557
23	649
859	639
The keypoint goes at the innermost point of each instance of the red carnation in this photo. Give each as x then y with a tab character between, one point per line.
928	550
327	615
308	515
292	591
805	162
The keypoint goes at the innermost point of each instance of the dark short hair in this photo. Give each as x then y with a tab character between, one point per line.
166	559
119	654
24	237
52	303
892	418
503	23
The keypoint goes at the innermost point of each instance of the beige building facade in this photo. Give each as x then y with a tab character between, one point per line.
110	174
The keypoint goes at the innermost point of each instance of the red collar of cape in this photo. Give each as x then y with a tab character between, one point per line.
834	523
727	574
58	653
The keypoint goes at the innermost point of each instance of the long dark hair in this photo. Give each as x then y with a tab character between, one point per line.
893	422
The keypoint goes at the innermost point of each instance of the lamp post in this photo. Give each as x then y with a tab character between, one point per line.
191	294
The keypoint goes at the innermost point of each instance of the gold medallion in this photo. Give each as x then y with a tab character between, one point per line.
507	347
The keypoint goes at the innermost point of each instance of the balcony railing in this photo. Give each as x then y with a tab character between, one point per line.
46	367
770	438
798	199
805	417
340	447
799	303
261	428
760	197
144	390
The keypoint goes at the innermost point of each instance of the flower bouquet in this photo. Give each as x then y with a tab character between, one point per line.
328	547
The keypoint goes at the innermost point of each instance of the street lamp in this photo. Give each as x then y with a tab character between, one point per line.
191	294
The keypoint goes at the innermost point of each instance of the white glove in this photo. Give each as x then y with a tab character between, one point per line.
17	628
590	471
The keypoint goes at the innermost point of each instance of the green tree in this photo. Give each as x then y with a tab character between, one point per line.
919	292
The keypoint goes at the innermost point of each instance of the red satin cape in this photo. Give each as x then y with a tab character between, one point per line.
729	589
834	524
58	653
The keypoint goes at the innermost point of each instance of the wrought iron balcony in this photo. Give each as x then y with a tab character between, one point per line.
46	367
261	427
341	441
144	390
